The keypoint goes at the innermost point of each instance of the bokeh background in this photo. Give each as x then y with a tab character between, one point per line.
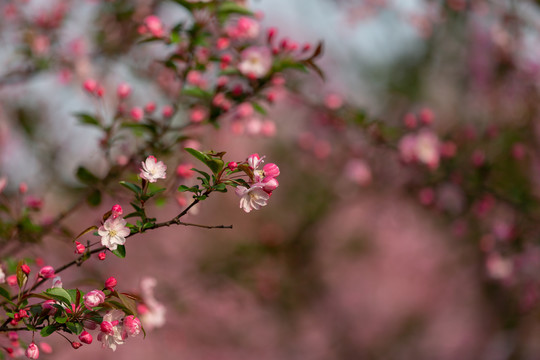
360	253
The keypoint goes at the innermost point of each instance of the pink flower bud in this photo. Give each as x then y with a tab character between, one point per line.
23	188
111	283
90	85
12	280
167	111
116	211
270	184
271	170
271	34
101	256
46	272
136	113
154	25
254	161
32	352
222	43
94	298
46	348
25	269
86	337
123	90
232	165
107	328
150	107
197	115
426	116
76	345
132	325
79	248
184	170
245	109
410	120
333	101
100	91
13	336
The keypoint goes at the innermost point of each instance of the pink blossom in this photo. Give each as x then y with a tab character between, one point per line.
32	352
102	256
247	28
111	335
184	170
232	165
154	25
2	276
244	110
333	101
23	188
358	171
269	184
268	128
113	233
197	114
86	337
90	85
46	272
254	160
152	170
152	312
150	107
256	62
132	325
252	198
426	116
25	269
94	298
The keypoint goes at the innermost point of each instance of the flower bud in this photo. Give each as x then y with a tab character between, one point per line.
184	171
167	111
79	248
111	283
271	170
32	352
270	184
123	90
12	280
46	272
101	256
107	328
94	298
232	165
90	86
116	211
136	114
76	345
150	107
86	337
25	269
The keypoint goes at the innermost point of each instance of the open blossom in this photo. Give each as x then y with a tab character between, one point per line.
111	332
152	312
256	62
423	147
113	233
132	325
252	198
152	170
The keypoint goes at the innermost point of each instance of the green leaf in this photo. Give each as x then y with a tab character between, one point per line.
230	7
86	231
87	119
132	187
5	294
59	294
75	327
258	108
21	276
206	175
48	330
94	199
216	165
128	303
199	155
220	187
85	176
61	319
120	251
196	92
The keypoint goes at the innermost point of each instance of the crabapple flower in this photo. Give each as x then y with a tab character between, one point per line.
132	325
94	298
252	198
254	160
153	25
113	233
32	352
152	170
111	283
270	184
152	312
256	62
116	211
2	276
271	170
112	336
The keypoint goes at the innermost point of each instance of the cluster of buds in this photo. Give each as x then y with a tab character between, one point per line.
261	185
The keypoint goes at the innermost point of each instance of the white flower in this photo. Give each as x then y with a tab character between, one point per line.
256	62
2	276
113	233
152	170
152	312
252	198
114	336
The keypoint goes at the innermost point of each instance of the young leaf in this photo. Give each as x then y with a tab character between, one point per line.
59	294
87	119
132	187
86	231
85	176
48	330
120	251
